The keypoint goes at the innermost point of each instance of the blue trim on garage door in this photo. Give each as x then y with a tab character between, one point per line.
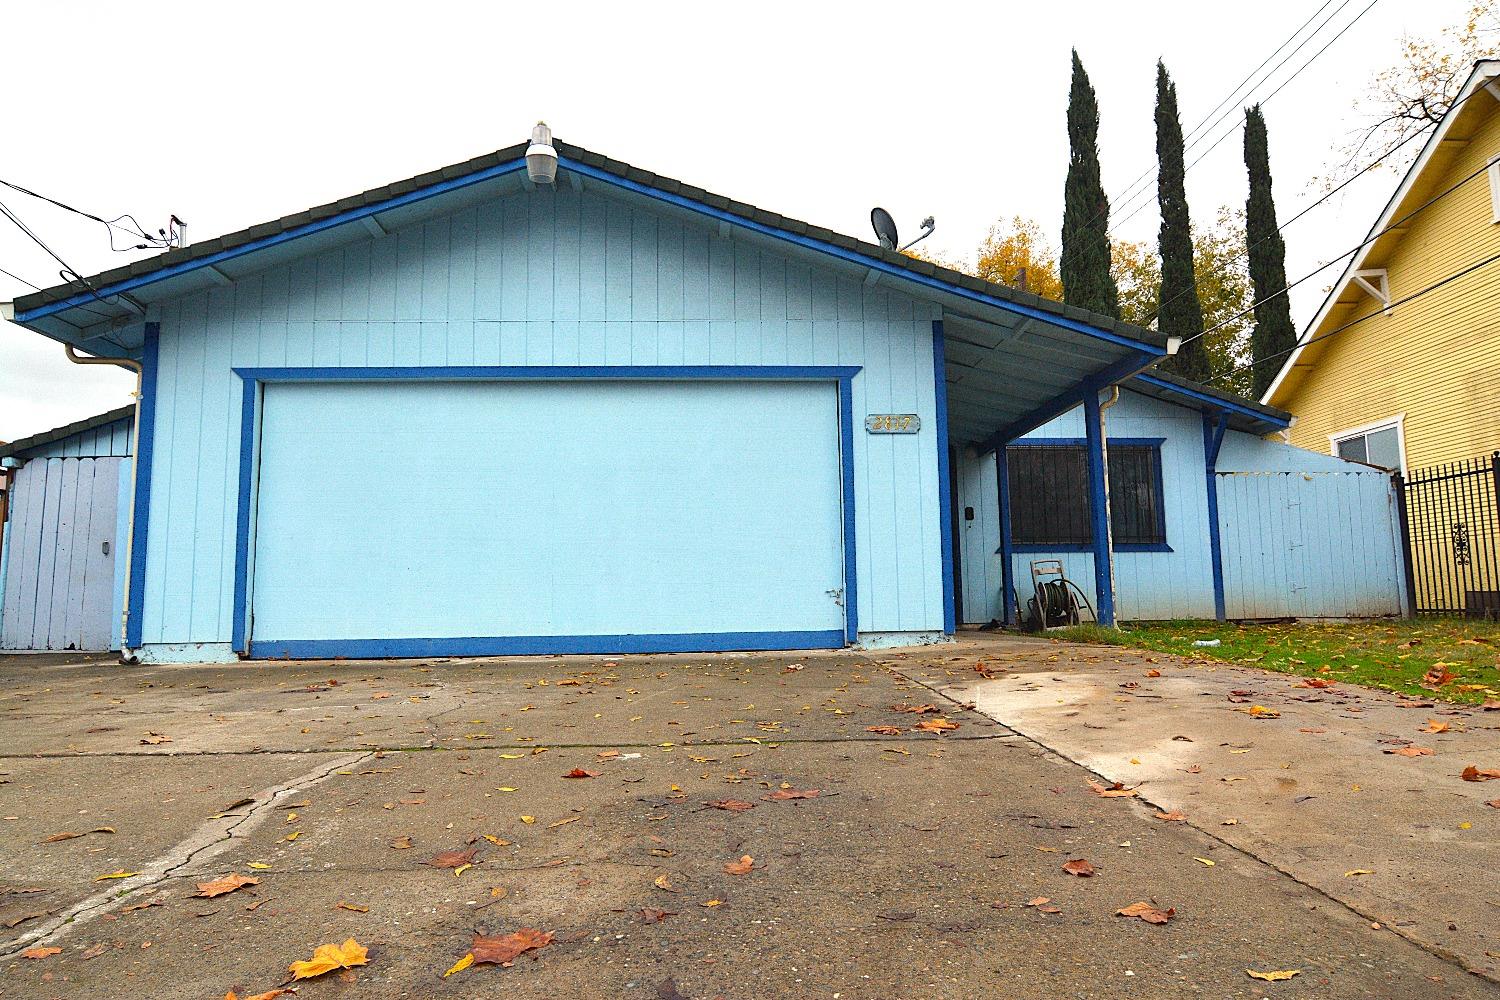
254	378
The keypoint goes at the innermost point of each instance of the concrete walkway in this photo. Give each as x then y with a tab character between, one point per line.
1332	788
908	874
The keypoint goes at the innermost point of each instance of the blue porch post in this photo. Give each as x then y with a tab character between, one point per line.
1007	560
1213	438
1104	577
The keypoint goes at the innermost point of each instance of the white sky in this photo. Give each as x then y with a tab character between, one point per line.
233	115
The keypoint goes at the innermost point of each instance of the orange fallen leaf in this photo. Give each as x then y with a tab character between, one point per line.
1114	791
1038	900
42	952
579	772
1437	676
267	995
1172	816
502	950
938	725
327	957
1314	682
664	883
222	886
884	730
1147	912
452	859
1411	751
400	843
733	805
351	907
1274	976
914	709
1260	712
1153	673
783	794
743	866
1080	867
1493	803
1434	726
1472	773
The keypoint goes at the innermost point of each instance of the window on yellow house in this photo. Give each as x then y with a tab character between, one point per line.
1379	444
1494	173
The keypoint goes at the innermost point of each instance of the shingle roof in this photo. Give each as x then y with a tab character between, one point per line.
668	185
65	431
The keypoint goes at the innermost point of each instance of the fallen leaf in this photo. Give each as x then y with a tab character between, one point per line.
1260	712
460	965
152	739
400	843
938	725
1080	867
579	772
711	903
733	805
267	995
914	709
528	820
1411	751
1358	871
452	859
741	867
1172	816
327	957
222	886
460	870
1147	912
1114	791
1313	730
651	915
884	730
1273	977
122	873
1493	803
1437	676
259	866
783	794
43	952
1472	773
504	949
351	907
664	883
1434	726
1153	673
1205	862
563	822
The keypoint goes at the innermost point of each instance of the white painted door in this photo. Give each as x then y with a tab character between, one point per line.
420	518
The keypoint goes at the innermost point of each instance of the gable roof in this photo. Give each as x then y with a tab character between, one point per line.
1377	242
25	444
109	293
1243	414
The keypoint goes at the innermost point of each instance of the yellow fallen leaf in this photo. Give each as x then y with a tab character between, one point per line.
498	892
328	957
712	903
352	907
506	788
528	820
1273	977
497	841
292	836
1358	871
512	756
1204	862
662	882
563	822
461	869
259	866
122	873
460	965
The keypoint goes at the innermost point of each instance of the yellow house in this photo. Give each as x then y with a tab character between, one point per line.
1401	366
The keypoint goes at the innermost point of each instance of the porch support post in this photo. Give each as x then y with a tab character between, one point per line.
1007	559
1213	438
1098	463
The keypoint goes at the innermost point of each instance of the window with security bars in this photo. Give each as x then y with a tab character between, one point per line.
1049	496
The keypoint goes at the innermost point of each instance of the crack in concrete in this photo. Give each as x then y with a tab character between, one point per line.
1435	950
209	839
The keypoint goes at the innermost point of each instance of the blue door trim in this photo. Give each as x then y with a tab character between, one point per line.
254	378
945	494
145	415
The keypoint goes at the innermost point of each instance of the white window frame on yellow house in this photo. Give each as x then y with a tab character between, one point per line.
1494	173
1398	423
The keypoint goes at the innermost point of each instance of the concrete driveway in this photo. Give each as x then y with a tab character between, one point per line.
915	869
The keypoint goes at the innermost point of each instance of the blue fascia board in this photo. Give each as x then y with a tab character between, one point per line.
1058	405
543	645
604	176
1215	402
439	373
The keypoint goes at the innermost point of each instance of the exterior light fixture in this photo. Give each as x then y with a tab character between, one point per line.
541	158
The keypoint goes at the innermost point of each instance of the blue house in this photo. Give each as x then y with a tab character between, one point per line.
556	403
64	528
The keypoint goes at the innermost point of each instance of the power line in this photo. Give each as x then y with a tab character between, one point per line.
1264	100
17	277
1129	193
1347	253
138	233
68	272
1380	312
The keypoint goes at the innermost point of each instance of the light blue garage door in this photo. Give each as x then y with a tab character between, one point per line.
426	518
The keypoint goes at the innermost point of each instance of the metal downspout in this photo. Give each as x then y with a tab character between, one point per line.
135	466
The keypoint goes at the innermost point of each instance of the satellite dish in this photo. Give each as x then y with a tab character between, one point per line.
885	228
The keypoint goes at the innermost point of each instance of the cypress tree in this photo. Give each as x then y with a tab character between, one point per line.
1086	280
1181	314
1273	334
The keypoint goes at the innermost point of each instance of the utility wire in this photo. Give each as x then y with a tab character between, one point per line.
1264	100
138	233
68	272
17	277
1208	123
1347	253
1381	312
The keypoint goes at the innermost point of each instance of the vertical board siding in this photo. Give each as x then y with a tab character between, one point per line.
64	540
1310	544
543	278
1302	535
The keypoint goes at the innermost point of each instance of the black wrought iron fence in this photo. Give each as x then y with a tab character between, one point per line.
1452	529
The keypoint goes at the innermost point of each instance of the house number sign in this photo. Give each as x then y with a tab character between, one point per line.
893	423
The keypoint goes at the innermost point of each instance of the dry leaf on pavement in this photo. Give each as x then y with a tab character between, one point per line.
1472	773
460	965
503	949
1275	976
400	843
1080	867
43	952
327	957
733	805
652	915
222	886
579	772
1411	751
741	867
1172	816
267	995
1434	726
452	859
1147	912
938	725
783	794
1114	791
884	730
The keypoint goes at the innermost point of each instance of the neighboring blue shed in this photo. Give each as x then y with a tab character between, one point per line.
1296	533
479	412
62	564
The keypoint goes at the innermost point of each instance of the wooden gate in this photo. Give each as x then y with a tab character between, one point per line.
61	584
